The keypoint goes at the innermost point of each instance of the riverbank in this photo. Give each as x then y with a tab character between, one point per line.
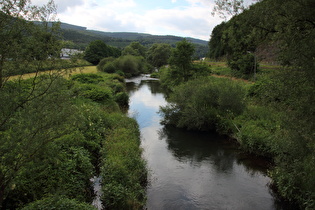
262	116
193	169
69	131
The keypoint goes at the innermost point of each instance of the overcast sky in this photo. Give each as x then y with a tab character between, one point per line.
186	18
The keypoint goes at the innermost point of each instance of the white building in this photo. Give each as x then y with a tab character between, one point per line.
66	53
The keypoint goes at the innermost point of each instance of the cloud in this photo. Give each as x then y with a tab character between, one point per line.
62	5
187	18
192	21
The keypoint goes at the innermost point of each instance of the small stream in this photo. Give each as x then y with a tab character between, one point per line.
194	170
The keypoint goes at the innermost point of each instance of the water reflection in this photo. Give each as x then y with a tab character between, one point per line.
191	170
197	147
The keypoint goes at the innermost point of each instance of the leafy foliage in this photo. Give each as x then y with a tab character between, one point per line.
129	65
171	78
181	59
217	47
204	104
243	65
51	129
158	54
97	50
24	45
135	49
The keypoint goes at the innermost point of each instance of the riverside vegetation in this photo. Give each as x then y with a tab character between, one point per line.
57	133
273	114
55	143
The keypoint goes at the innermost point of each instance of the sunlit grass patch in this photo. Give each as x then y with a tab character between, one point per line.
65	72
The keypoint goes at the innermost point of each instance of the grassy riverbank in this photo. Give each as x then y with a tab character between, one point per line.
265	117
71	130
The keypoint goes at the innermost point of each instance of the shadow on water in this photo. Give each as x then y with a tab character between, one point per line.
197	147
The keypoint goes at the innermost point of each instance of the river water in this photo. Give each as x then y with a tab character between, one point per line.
193	170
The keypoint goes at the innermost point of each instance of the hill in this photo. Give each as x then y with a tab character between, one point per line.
80	37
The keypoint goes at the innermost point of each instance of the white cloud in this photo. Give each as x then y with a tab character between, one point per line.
193	21
187	18
62	5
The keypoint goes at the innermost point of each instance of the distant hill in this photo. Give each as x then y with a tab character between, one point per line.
81	37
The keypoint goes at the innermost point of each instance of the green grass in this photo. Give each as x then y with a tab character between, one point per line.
123	169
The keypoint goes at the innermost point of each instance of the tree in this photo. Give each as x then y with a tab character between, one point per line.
27	131
131	65
216	44
159	54
135	49
181	59
97	50
228	7
33	112
22	40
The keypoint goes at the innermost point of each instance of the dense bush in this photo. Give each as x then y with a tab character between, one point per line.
109	68
122	99
101	88
205	104
58	140
257	131
97	50
243	65
95	92
103	62
129	65
170	77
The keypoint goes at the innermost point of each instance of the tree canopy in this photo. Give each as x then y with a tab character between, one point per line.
135	49
181	58
97	50
159	54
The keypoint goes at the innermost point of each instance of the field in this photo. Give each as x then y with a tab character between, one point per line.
65	72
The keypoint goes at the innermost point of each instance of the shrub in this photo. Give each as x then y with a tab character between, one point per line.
87	78
204	103
109	68
94	92
242	65
103	62
60	203
122	99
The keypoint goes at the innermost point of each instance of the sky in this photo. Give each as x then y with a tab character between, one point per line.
185	18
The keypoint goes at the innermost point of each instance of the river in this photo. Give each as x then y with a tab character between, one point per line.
193	170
